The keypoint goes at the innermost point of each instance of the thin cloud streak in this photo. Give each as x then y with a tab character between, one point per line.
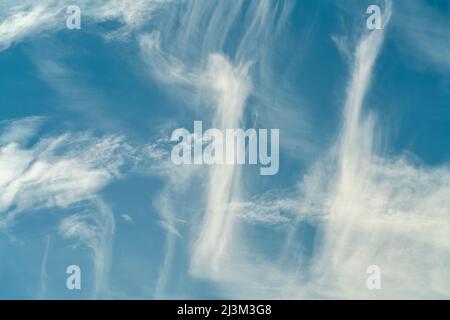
31	18
386	212
219	86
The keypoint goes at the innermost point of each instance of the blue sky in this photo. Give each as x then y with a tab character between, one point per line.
86	176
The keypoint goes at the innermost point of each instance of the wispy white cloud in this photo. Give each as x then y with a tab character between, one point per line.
133	14
220	86
67	172
61	170
388	212
425	31
267	210
44	275
127	218
93	228
38	178
30	18
19	130
23	20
